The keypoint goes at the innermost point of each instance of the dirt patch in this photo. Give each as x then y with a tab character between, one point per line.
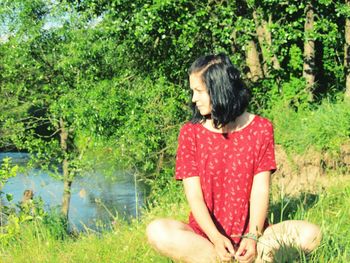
345	153
296	173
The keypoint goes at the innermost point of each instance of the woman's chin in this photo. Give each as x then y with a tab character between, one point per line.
207	115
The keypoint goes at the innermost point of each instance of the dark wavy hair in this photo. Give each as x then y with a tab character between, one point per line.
228	94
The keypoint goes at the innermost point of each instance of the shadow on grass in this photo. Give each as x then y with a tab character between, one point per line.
287	207
288	254
291	208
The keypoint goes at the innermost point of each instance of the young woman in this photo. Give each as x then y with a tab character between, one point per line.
225	158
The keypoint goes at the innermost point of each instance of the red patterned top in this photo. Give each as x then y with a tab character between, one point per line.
226	165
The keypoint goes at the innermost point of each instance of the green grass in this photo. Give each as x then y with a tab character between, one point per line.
328	208
127	242
332	213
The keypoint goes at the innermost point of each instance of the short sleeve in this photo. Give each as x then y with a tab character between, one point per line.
266	157
186	163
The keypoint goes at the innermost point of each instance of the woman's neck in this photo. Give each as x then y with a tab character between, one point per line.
241	122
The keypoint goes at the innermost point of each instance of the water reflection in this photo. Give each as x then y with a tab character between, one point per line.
95	198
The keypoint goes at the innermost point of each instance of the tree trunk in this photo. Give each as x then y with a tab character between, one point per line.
160	162
67	182
265	42
309	50
253	61
347	54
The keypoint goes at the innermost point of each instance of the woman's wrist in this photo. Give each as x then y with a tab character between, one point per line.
214	236
252	235
255	231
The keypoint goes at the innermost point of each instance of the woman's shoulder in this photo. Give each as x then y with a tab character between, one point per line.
188	127
262	121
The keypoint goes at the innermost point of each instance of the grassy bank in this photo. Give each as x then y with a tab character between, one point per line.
127	243
325	128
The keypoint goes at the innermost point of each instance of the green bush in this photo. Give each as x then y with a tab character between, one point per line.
324	128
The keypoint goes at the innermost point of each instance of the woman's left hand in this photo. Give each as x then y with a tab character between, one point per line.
246	252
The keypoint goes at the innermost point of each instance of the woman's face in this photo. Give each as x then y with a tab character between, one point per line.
200	94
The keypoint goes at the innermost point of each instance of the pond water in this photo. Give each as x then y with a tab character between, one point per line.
95	198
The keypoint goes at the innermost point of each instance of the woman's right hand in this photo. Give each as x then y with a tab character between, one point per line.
222	244
223	247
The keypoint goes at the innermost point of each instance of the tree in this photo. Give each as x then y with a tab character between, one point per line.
265	42
253	61
69	89
347	52
41	78
309	49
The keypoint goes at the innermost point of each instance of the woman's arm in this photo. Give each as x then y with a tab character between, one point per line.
200	212
259	203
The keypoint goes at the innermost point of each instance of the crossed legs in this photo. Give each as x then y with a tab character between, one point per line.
178	241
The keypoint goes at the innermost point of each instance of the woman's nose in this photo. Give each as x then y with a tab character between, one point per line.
194	97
